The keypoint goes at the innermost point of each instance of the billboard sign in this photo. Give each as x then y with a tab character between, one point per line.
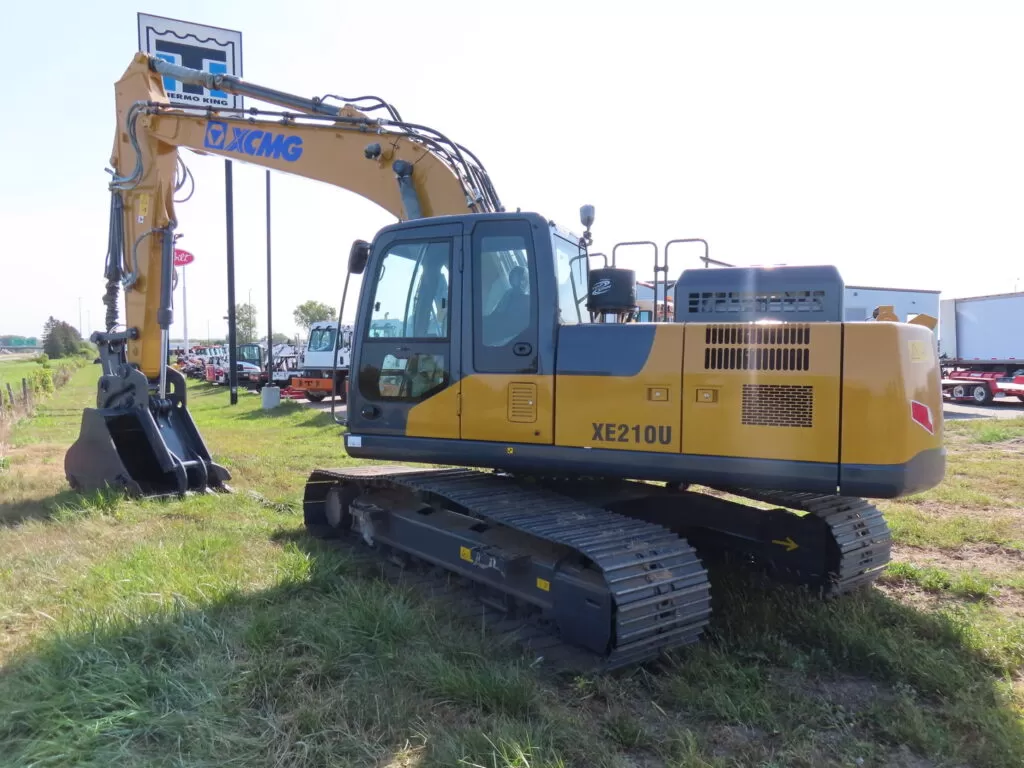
182	258
197	46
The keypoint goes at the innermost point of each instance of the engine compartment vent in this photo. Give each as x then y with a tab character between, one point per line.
757	348
778	405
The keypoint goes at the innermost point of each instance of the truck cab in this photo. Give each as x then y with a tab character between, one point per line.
319	375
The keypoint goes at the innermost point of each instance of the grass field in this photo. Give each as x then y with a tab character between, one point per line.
212	632
13	368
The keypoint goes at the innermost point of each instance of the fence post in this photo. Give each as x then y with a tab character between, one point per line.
10	393
24	390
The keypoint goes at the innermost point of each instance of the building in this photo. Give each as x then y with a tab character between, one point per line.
861	300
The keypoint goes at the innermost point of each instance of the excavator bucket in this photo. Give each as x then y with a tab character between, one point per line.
139	444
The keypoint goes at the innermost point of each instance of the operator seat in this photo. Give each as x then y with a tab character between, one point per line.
512	313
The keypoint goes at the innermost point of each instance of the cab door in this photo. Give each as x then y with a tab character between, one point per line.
407	341
507	382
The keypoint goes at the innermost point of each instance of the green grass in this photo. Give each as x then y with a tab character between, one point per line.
211	631
967	583
986	430
14	370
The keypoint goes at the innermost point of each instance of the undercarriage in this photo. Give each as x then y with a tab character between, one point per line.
589	573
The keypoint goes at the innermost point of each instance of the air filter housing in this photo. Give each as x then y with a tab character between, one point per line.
612	290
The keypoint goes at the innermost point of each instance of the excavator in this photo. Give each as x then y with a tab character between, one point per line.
576	470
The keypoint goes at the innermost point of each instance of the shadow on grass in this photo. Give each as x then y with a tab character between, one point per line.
321	419
284	408
336	666
205	389
960	416
329	667
15	512
866	667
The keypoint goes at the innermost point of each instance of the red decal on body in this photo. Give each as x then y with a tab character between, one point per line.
922	414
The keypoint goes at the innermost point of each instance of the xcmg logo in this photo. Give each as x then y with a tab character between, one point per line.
252	141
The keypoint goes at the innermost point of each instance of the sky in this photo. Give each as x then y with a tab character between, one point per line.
882	137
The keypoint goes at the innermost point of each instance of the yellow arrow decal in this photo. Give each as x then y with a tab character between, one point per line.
787	542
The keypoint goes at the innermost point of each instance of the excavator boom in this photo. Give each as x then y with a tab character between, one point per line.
141	436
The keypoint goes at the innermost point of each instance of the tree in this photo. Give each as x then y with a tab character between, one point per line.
279	338
310	312
60	339
245	323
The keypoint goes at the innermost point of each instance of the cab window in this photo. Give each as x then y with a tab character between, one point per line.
321	340
504	297
411	298
571	274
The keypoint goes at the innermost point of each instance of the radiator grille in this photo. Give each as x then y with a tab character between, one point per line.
522	403
757	347
778	405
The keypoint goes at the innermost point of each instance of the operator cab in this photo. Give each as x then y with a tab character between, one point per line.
461	297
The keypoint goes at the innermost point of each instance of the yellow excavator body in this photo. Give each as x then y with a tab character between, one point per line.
568	438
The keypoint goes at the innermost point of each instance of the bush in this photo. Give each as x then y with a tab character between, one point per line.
41	381
43	359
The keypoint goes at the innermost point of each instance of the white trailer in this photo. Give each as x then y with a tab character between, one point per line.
983	330
981	347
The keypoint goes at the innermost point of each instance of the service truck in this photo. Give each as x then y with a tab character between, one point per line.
318	376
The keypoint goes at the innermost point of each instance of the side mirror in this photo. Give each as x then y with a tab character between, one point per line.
587	216
358	255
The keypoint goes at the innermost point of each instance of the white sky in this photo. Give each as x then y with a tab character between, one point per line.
885	140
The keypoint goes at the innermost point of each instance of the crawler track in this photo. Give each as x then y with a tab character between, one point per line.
861	542
592	575
615	591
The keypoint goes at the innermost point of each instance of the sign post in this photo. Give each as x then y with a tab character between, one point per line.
182	259
218	51
197	46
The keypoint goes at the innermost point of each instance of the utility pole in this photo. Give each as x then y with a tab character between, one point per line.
229	195
270	320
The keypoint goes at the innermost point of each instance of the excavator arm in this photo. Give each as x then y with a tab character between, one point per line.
386	161
141	437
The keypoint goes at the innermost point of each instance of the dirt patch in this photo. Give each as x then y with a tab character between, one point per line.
990	560
30	453
995	564
852	694
1007	601
910	594
994	517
